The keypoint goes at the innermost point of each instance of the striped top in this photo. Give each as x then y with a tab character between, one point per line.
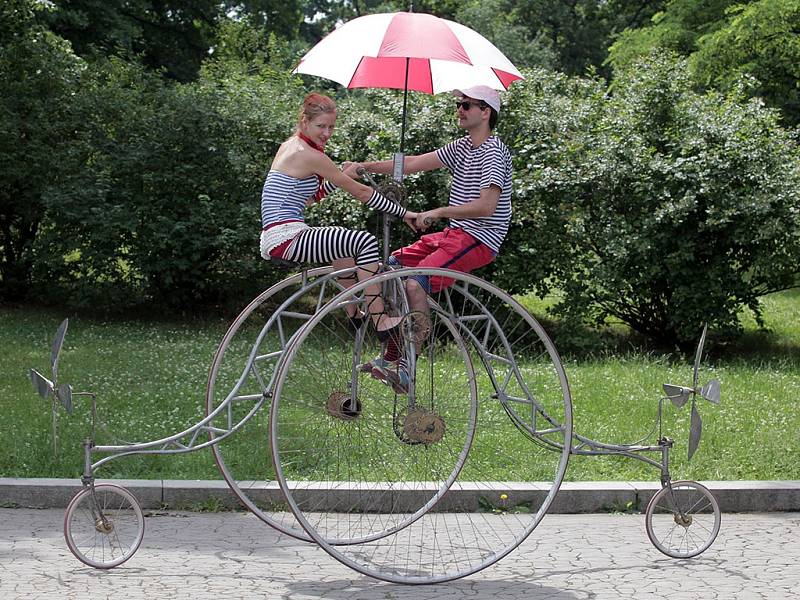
284	197
474	169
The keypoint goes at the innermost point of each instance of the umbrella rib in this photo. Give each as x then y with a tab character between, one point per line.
353	76
494	71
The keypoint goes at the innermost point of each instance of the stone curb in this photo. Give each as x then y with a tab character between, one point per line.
573	497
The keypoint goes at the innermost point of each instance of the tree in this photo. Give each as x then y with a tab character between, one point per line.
244	48
677	28
40	76
760	43
496	21
173	35
580	31
727	41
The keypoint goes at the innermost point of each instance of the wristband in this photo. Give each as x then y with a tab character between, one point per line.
328	187
383	204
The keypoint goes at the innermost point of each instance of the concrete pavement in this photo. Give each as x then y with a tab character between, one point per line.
567	557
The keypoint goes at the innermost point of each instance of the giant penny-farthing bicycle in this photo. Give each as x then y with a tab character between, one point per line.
422	486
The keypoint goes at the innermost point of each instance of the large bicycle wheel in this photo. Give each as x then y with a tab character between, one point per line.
387	496
239	387
683	519
103	525
350	445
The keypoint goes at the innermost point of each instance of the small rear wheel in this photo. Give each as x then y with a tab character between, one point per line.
682	519
103	525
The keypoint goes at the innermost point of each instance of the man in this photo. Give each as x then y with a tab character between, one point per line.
479	211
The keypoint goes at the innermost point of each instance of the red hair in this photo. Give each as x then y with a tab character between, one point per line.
315	104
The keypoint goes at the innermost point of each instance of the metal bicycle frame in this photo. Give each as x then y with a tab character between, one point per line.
178	443
173	444
580	445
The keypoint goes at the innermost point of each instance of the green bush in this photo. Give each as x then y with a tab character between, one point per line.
653	205
39	75
646	202
160	204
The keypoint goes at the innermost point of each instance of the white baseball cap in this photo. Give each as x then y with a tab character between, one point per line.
481	92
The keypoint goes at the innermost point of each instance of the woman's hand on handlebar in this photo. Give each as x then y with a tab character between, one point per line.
351	169
410	219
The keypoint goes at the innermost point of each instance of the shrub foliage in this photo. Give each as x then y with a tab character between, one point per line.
651	204
645	202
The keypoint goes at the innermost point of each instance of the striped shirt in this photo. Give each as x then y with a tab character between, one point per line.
474	169
283	207
284	197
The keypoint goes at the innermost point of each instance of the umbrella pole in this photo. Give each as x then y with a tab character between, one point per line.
397	171
405	103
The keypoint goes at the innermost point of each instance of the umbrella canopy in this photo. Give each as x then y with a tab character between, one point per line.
408	51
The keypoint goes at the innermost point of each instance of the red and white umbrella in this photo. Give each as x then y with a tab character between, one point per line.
408	51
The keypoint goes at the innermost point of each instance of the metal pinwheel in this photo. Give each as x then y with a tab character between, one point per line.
58	394
679	395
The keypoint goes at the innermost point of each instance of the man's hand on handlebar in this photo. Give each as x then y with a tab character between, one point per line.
425	220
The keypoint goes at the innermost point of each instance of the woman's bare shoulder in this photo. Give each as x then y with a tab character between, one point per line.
291	159
286	156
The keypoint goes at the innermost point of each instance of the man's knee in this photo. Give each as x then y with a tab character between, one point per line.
415	289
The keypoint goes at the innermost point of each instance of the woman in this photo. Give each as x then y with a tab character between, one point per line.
294	181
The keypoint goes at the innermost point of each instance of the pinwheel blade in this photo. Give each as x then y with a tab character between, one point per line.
64	394
42	384
677	393
699	354
695	430
710	391
57	343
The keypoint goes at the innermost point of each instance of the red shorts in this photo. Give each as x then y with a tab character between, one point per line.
277	251
449	249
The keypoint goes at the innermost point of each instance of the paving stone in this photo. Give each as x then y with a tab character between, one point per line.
567	557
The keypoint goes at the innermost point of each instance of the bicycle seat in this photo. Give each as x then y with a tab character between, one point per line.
288	265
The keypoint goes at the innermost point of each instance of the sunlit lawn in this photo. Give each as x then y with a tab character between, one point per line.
150	379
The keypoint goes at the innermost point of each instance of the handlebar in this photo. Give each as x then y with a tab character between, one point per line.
364	174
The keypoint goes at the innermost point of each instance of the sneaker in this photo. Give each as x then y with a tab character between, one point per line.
396	378
376	363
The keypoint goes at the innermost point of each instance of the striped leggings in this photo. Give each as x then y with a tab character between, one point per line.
325	244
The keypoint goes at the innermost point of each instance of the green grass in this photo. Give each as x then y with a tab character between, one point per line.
150	381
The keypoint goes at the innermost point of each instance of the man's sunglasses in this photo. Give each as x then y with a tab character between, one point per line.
466	105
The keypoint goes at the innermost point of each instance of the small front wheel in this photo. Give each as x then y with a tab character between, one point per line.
103	525
682	519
